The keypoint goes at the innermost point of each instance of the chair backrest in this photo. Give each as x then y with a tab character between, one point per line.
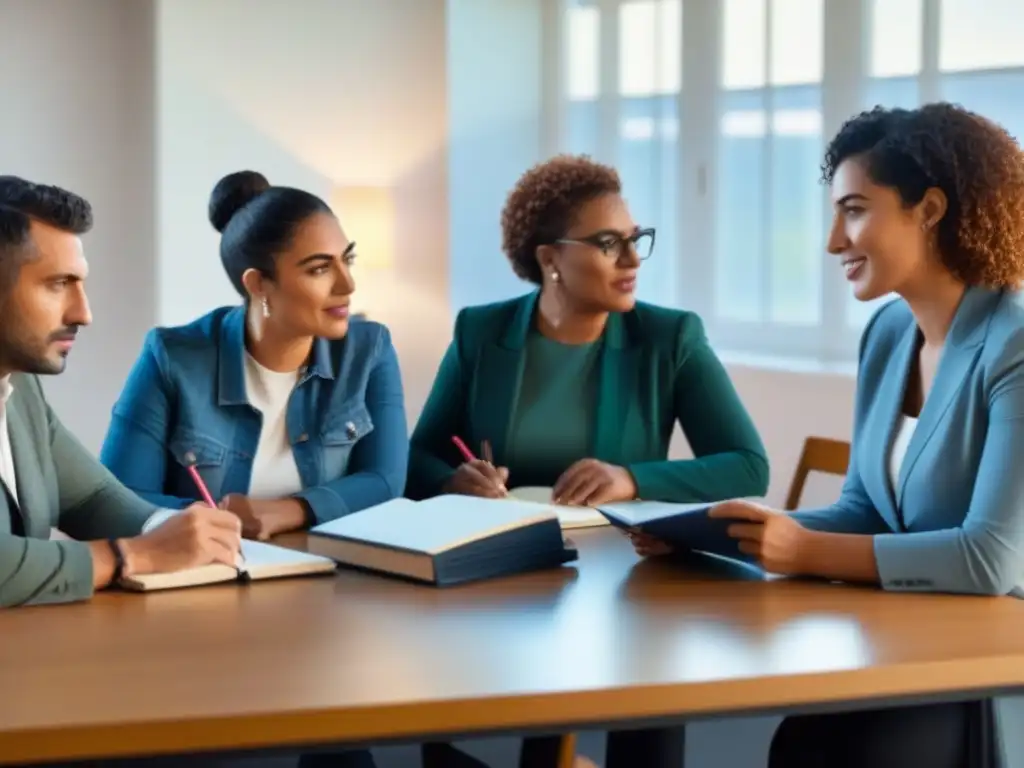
820	454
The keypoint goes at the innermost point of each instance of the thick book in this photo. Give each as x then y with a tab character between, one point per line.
569	517
262	561
445	540
684	526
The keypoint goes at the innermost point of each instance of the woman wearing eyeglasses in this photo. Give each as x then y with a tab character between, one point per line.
577	386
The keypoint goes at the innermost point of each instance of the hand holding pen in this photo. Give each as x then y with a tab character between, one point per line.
190	465
478	476
195	536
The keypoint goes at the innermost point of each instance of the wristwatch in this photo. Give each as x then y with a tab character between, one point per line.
115	547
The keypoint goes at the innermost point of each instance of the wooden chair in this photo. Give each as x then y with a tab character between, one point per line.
554	752
820	454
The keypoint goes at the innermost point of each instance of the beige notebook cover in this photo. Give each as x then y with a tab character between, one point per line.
262	561
568	517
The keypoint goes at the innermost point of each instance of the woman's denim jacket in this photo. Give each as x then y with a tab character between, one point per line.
186	394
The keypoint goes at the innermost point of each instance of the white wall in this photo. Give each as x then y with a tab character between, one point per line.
341	93
76	110
496	132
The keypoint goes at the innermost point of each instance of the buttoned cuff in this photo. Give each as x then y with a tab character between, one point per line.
899	562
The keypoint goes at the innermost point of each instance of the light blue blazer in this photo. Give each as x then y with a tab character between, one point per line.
954	522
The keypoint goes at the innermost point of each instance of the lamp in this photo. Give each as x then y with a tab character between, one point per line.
368	217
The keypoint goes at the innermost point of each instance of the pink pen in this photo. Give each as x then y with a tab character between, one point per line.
463	448
467	455
190	465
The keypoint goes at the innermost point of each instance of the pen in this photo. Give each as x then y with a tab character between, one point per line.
190	465
467	454
463	448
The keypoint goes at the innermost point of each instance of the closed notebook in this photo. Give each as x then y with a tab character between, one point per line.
568	517
684	526
445	540
262	561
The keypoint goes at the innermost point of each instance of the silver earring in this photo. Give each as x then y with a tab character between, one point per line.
555	277
266	306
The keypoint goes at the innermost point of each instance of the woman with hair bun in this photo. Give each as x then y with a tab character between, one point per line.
292	410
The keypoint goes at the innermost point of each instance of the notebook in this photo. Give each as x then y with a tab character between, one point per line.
684	526
262	561
445	540
568	517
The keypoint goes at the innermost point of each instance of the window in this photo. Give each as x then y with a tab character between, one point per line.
981	59
714	112
625	111
768	226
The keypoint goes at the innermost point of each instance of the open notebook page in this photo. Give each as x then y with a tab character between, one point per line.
568	517
262	561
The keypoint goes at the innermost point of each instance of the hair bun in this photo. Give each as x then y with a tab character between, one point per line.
232	193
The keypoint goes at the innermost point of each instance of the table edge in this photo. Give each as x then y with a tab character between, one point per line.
513	713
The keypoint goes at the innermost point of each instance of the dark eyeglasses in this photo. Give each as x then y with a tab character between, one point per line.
614	244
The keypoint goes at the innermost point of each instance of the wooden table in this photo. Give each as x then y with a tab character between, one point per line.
360	659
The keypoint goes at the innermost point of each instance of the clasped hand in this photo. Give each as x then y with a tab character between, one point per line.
263	519
586	483
773	538
590	482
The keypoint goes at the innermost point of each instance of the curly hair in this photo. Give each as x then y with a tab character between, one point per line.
541	206
974	161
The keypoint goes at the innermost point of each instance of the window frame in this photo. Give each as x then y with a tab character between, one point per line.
846	76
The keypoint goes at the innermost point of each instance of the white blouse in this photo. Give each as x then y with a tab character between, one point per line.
904	431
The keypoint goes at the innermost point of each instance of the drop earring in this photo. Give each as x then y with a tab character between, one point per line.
266	306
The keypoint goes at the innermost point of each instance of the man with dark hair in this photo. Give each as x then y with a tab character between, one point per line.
48	478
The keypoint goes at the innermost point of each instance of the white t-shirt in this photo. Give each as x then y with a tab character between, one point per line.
6	457
274	473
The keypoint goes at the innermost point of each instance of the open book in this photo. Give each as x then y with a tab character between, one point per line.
262	561
568	517
684	526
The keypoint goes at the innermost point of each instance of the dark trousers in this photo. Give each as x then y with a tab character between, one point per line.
352	758
651	748
654	748
962	735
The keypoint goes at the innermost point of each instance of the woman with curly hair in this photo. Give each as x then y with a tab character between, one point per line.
577	386
929	205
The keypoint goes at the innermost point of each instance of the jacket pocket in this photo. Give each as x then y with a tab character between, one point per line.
340	433
211	460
